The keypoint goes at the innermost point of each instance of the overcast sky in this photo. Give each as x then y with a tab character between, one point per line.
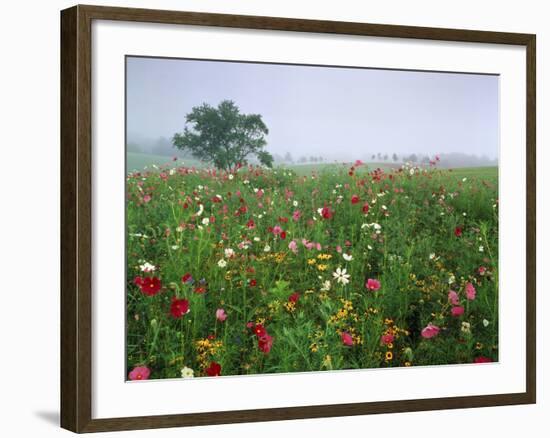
340	113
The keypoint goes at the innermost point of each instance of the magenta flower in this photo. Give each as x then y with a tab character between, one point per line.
296	215
453	298
372	284
139	373
386	339
277	230
430	331
221	315
470	291
346	339
457	311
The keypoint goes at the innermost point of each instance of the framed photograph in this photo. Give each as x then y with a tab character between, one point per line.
271	218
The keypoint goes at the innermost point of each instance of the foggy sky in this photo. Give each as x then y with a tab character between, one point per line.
340	113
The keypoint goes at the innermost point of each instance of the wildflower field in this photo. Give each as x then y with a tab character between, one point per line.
283	270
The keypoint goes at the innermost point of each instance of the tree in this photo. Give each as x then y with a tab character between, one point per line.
395	157
223	136
288	158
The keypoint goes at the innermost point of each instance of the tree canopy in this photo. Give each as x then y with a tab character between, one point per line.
223	136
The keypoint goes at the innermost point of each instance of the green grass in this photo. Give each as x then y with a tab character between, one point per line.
425	233
136	161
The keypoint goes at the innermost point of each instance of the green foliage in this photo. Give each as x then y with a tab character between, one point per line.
223	136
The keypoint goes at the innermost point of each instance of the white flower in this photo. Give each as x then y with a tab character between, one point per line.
411	171
465	328
485	323
295	203
205	221
229	252
172	171
452	279
432	256
147	267
256	239
464	179
347	257
341	276
174	247
230	176
267	248
200	187
222	263
187	373
246	181
326	286
481	249
201	209
384	207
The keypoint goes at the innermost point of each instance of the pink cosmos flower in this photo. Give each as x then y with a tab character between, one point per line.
221	315
147	198
482	270
296	215
372	284
430	331
293	246
346	339
386	339
470	291
277	230
457	311
453	298
338	249
139	373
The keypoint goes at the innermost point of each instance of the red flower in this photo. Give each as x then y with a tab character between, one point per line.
252	283
354	199
457	310
139	373
327	213
283	235
293	298
186	278
250	224
458	231
346	339
148	285
482	359
178	308
214	369
265	343
200	290
365	207
260	330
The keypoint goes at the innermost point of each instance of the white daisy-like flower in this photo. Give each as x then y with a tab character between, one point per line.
465	328
147	267
481	248
257	239
295	203
451	279
485	323
347	257
341	276
411	171
174	247
267	248
229	252
205	221
222	263
201	210
246	181
230	176
432	256
172	171
187	373
326	286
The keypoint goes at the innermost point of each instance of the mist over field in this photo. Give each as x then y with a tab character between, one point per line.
320	114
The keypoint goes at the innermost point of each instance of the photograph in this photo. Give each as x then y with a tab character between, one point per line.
287	218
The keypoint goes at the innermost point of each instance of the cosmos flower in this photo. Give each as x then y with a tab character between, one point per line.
139	373
341	276
372	284
179	307
430	331
149	285
215	369
187	373
470	291
221	315
453	298
457	310
346	339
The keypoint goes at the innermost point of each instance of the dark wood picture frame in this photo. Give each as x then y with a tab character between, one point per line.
76	218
